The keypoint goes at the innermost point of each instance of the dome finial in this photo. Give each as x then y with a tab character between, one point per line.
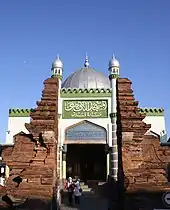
113	56
86	63
114	62
58	57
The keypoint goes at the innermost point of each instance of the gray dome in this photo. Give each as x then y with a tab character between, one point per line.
86	78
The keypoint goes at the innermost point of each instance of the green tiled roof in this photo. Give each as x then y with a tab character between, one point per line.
26	112
85	92
20	112
152	111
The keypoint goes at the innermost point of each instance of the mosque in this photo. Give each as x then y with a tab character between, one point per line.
87	120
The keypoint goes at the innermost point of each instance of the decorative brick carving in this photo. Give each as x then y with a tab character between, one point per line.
144	160
45	116
33	159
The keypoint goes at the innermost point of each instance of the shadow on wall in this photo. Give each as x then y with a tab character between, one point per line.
29	203
143	199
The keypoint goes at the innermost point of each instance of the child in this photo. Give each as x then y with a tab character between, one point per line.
77	191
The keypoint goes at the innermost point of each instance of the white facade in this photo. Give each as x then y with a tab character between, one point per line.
157	124
65	123
15	125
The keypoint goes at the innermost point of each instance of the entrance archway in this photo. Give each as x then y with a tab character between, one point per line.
87	161
86	157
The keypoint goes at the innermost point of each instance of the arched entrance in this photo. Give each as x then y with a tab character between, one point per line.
86	157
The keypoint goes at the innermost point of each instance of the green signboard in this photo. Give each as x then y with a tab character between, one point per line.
84	109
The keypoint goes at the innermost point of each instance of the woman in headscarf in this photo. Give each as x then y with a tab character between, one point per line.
77	191
70	189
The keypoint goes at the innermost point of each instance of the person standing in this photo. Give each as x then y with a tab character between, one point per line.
77	191
70	189
2	180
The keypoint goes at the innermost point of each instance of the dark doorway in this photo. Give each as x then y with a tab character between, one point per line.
87	161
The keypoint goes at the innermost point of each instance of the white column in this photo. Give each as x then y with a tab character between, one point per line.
61	165
114	149
64	165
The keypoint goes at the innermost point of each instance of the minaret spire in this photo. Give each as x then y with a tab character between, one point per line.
86	63
58	57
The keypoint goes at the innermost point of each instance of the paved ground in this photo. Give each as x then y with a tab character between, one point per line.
87	203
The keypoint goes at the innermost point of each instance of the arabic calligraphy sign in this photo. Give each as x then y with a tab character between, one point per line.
85	109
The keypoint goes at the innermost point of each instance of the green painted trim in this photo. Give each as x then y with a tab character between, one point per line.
58	76
113	115
85	93
152	111
147	111
114	76
20	112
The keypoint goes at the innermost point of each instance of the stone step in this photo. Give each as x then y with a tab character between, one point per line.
84	186
101	183
87	189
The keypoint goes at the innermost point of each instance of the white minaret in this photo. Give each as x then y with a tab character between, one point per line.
57	70
114	74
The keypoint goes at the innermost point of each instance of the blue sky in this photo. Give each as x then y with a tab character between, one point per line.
33	32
